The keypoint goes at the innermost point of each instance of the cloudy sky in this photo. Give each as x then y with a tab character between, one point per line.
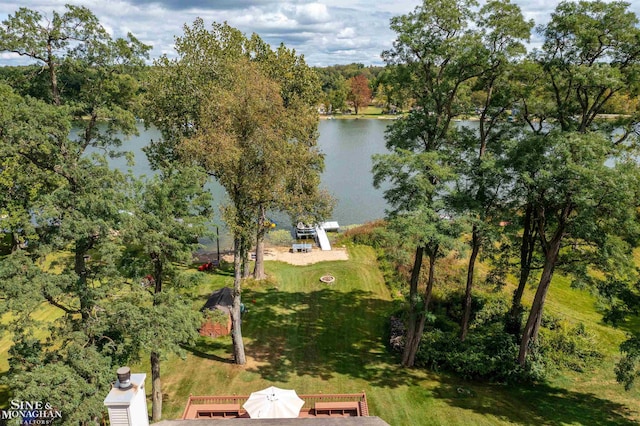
327	32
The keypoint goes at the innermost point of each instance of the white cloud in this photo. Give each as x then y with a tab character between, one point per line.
346	33
325	31
312	13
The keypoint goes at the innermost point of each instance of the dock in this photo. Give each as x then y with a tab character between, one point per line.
323	240
330	226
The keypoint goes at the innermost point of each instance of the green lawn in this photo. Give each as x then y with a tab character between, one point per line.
365	112
319	338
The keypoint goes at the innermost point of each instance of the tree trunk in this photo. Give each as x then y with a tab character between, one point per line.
15	242
475	248
236	321
413	314
156	385
156	391
530	332
422	317
55	94
80	268
244	250
527	246
258	269
157	274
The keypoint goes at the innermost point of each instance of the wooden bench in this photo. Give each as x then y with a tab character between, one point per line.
342	408
204	411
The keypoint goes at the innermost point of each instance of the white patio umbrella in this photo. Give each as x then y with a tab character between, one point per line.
273	403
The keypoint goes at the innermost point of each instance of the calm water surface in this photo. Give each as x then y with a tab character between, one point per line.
347	145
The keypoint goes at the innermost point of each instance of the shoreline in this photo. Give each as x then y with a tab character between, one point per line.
377	117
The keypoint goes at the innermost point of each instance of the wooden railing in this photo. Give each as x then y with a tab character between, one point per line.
309	402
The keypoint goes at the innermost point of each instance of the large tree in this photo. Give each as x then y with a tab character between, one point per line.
359	92
585	212
440	54
76	210
483	176
590	53
50	41
260	151
168	213
246	113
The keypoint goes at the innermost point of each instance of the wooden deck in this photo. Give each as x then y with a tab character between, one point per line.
316	405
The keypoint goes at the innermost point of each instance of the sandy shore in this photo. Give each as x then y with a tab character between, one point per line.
284	254
316	255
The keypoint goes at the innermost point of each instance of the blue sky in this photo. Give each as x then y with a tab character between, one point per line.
327	32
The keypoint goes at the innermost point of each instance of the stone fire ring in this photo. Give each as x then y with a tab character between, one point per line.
327	279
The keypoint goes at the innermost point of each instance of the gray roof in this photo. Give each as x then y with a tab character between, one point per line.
308	421
220	299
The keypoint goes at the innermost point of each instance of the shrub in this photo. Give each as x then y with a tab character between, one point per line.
372	234
490	355
216	316
280	237
563	345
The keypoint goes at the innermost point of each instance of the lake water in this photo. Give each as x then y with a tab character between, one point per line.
347	145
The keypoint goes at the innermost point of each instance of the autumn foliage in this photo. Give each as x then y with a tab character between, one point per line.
359	93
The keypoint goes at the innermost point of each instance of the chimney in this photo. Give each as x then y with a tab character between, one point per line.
124	378
127	402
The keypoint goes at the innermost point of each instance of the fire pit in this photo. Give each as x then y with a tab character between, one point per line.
327	279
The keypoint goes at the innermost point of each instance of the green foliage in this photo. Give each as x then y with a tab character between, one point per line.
159	323
216	316
64	206
628	368
280	237
373	234
489	355
565	346
27	81
167	214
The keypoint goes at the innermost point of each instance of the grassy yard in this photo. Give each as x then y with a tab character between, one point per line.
330	338
365	112
319	338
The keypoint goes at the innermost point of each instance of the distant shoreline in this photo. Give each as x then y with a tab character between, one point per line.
359	116
396	116
379	117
